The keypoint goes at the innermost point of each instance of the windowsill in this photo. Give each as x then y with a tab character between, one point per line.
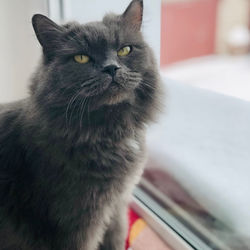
227	75
203	141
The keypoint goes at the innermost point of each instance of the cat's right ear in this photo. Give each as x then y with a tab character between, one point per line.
48	33
133	15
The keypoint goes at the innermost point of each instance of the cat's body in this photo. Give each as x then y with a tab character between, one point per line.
68	163
49	189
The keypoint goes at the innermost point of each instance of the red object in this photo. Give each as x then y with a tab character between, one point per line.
187	29
132	217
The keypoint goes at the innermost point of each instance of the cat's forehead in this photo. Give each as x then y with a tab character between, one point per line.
102	35
96	30
95	33
109	28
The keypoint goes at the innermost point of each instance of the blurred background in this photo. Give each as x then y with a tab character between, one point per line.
195	28
206	43
19	49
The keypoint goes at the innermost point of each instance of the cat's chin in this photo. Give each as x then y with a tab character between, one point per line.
113	98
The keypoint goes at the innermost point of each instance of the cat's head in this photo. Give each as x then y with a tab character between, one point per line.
96	64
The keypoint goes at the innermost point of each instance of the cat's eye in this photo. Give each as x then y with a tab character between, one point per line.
124	51
81	58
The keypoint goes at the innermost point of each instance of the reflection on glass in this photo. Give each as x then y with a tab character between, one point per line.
173	197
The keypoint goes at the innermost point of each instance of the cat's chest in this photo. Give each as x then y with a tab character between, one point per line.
107	158
95	175
93	179
92	168
101	169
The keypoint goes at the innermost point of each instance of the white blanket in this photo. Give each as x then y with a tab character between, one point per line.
204	141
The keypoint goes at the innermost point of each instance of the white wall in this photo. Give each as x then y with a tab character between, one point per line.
85	11
19	49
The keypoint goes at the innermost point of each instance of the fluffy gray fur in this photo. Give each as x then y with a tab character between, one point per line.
71	153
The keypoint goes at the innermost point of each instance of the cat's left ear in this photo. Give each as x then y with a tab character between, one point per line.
133	15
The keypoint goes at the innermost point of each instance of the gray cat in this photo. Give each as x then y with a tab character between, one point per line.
71	153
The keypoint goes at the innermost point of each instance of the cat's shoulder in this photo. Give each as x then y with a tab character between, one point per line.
10	127
9	112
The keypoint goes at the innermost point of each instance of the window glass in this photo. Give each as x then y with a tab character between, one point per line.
199	162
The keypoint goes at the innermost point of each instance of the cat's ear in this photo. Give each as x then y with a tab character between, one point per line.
48	33
133	15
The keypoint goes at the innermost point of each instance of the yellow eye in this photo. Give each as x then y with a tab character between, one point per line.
81	58
124	51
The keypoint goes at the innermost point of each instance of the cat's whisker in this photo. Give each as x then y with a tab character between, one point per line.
72	99
151	95
147	84
89	81
62	90
68	106
80	106
88	113
143	87
134	80
66	113
83	105
74	104
131	72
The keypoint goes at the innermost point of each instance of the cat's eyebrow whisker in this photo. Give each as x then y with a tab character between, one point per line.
73	38
67	51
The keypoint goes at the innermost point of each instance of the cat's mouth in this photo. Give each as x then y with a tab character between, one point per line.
106	85
111	90
110	94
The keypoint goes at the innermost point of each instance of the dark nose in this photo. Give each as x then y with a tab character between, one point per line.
110	69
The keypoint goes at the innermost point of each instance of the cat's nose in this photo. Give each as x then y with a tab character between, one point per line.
111	69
